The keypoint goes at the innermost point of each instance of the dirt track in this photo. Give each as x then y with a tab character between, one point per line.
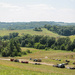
43	63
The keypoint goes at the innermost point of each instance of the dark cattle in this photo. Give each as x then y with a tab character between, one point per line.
37	64
59	59
39	60
24	62
55	65
74	63
11	59
59	65
67	61
72	67
16	60
30	58
35	60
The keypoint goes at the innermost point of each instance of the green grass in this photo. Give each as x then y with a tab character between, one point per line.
45	32
49	53
29	31
14	68
72	37
8	70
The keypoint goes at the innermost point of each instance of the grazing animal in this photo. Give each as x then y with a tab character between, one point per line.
24	62
16	60
37	64
11	59
30	58
59	65
67	61
37	60
71	68
74	63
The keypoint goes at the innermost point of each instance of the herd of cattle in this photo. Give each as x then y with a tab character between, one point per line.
35	60
39	60
63	65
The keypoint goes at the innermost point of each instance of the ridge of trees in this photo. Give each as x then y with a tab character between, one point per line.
8	37
29	25
44	42
61	30
12	47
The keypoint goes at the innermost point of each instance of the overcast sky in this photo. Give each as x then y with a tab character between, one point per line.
37	10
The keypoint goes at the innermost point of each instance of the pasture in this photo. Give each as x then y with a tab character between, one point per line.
29	31
44	32
15	68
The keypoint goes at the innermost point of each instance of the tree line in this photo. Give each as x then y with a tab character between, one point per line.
29	25
8	37
45	42
61	30
12	46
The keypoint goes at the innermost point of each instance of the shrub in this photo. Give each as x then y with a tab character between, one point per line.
28	51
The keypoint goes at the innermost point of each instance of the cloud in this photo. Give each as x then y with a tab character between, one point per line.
35	12
9	6
40	7
72	0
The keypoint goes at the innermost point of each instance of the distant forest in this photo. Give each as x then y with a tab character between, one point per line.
29	25
61	30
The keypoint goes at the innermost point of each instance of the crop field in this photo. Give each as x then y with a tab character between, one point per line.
47	57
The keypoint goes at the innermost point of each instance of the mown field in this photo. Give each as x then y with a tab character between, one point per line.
15	68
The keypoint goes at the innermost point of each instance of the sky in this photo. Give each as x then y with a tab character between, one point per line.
37	10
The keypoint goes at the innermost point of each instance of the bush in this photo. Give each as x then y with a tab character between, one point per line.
28	51
39	46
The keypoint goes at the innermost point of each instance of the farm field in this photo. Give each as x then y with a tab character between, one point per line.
15	68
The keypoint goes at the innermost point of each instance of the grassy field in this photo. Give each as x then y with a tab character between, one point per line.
30	31
72	37
51	54
14	68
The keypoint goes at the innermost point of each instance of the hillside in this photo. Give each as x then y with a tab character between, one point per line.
30	31
43	69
